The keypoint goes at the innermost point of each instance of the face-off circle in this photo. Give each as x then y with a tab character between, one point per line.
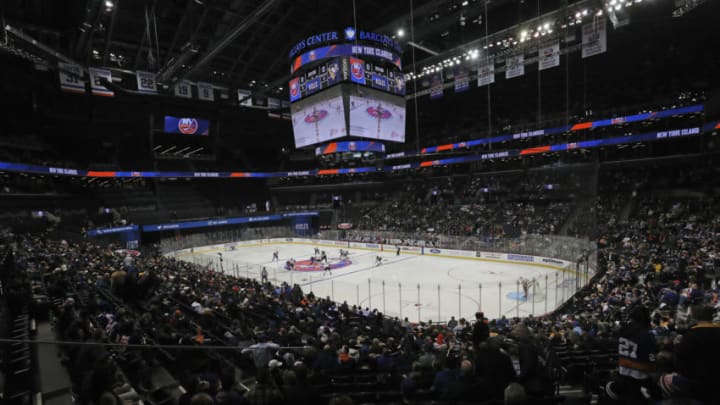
379	112
316	116
307	265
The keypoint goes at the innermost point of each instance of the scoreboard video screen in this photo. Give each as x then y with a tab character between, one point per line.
316	79
319	118
376	115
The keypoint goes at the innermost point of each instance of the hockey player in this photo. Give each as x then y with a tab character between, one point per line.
323	257
276	257
317	252
378	261
397	253
327	269
526	288
264	275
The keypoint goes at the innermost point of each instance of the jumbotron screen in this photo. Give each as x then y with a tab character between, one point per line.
319	118
376	115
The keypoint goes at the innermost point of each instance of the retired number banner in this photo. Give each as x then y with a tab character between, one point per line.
549	56
514	66
594	38
486	73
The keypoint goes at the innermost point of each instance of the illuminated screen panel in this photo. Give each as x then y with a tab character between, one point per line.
376	115
319	118
186	126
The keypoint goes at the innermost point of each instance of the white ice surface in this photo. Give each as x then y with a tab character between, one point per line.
482	285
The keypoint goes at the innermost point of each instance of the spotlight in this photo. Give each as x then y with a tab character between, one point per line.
400	33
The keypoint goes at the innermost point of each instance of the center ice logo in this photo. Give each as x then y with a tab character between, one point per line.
316	116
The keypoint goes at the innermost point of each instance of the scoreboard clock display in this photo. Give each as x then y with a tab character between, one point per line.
338	70
316	79
382	78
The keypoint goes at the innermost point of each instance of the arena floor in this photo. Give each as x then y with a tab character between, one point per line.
480	285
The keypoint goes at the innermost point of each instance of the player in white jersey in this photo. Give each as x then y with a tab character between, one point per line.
378	261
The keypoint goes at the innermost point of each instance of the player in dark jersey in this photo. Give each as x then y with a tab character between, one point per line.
276	257
397	253
636	359
526	288
323	257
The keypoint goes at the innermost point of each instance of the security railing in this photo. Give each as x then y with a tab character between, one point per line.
418	301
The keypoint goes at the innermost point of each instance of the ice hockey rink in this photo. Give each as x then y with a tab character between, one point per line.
419	287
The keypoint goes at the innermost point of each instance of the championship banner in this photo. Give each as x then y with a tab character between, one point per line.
462	79
549	56
244	97
486	73
97	88
514	66
274	107
146	82
205	91
436	85
594	38
71	78
357	70
183	89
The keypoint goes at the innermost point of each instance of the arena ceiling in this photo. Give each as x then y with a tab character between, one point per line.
244	43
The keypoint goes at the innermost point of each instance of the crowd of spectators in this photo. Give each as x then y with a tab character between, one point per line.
297	347
489	207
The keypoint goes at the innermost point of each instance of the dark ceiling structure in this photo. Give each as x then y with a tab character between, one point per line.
244	43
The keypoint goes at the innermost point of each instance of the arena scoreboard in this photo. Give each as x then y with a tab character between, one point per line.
317	78
369	99
339	70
